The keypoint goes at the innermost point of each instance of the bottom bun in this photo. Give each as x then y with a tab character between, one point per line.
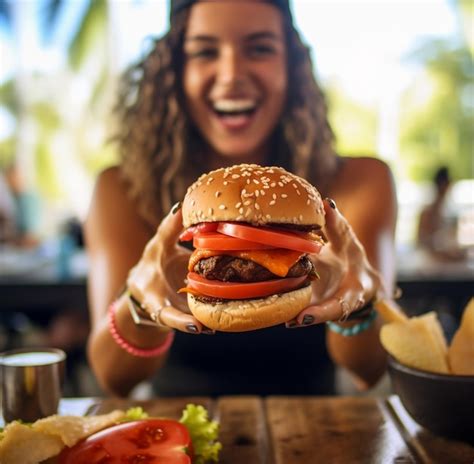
245	315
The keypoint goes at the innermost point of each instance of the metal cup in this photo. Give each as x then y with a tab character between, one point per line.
31	382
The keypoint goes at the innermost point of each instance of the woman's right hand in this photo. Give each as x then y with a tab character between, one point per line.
158	275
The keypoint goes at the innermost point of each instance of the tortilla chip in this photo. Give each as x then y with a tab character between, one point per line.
461	350
418	342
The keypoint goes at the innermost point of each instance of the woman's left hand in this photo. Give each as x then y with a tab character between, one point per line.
347	280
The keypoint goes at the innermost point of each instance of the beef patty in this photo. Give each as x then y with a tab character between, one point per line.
231	269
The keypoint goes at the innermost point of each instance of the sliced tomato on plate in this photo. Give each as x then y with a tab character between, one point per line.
242	291
147	441
217	241
268	236
189	233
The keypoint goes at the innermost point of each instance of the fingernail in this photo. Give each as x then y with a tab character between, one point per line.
192	328
308	319
176	207
331	203
207	331
291	324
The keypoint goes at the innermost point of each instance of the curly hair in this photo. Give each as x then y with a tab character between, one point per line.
161	151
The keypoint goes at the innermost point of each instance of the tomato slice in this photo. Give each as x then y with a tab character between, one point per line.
217	241
144	441
268	236
189	233
242	291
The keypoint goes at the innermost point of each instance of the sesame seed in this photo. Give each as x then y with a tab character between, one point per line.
241	210
295	186
272	202
247	202
193	202
210	211
248	181
240	218
247	213
226	173
308	201
257	193
284	195
217	194
262	192
274	196
280	184
301	217
273	184
225	182
222	207
235	176
298	192
239	204
257	206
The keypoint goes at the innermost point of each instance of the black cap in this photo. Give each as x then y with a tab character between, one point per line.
177	5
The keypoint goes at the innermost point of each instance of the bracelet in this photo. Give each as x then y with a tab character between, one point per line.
355	329
131	349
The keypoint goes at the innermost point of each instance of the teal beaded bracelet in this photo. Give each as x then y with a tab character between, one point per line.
355	329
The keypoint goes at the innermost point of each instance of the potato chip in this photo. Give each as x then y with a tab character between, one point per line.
390	311
23	445
32	444
71	429
461	350
417	342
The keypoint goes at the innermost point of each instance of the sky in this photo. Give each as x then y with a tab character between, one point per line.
358	43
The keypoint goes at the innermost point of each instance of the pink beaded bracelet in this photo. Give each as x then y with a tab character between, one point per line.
128	347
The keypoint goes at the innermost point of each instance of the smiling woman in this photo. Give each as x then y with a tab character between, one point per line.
231	82
234	77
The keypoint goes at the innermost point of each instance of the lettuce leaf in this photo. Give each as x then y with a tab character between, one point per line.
133	414
203	433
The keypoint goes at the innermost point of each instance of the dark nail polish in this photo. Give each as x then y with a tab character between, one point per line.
192	328
308	319
291	324
331	203
176	207
208	331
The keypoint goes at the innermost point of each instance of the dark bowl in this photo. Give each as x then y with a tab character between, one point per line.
443	404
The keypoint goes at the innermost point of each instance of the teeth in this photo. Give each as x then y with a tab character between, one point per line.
234	105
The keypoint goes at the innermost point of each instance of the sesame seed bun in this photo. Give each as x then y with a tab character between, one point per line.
245	315
253	194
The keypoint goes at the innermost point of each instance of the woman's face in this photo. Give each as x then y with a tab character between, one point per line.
235	78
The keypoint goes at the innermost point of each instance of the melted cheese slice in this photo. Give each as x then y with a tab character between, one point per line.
277	260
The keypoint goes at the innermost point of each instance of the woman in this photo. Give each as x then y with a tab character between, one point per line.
230	82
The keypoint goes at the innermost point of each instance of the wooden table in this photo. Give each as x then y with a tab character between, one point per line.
306	430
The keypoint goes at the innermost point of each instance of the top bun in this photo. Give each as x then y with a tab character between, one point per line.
253	194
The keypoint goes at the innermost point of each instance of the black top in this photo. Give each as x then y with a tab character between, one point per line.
274	361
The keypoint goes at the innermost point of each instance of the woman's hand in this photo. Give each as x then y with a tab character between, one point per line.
160	273
347	280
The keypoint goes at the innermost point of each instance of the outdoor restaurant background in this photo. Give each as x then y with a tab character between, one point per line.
398	77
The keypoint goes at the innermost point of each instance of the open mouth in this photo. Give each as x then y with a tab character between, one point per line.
234	109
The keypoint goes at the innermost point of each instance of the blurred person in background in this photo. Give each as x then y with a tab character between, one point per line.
26	209
436	229
182	114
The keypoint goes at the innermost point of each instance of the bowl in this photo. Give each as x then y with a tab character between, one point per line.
441	403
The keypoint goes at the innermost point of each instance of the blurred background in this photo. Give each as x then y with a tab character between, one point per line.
398	76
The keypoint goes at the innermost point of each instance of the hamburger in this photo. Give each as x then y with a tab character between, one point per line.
253	229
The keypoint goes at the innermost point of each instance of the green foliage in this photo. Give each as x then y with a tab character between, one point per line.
8	98
354	124
437	117
92	27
